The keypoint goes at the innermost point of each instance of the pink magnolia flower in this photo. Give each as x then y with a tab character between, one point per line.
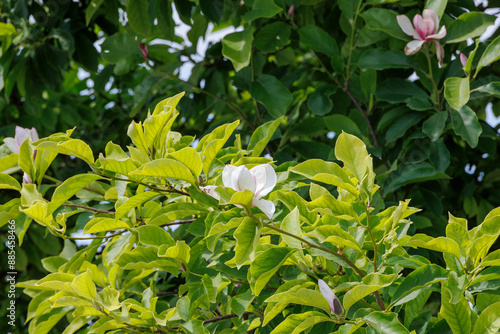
424	29
144	50
21	134
463	59
330	297
260	180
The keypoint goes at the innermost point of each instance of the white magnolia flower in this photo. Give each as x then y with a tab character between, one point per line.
21	134
14	144
330	297
260	180
424	29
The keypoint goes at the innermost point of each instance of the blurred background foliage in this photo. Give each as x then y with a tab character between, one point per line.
327	66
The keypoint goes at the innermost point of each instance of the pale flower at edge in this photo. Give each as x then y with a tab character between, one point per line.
330	297
424	29
14	144
21	134
260	180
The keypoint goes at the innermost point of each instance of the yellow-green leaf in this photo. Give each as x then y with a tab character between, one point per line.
168	168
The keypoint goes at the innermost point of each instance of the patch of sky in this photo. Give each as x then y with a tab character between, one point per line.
470	169
331	135
195	143
210	117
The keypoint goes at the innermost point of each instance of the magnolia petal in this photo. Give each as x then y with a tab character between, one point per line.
431	15
463	59
26	178
439	52
405	24
267	207
246	180
418	23
210	190
34	135
21	135
412	47
439	35
12	145
230	176
330	297
266	179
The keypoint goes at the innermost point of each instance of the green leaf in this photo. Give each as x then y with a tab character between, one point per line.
352	152
319	102
399	127
101	224
241	301
272	94
302	296
492	88
488	321
136	134
395	90
457	315
297	323
273	36
26	159
109	298
189	157
318	40
137	14
154	236
468	25
237	47
490	55
83	286
326	172
384	20
413	173
265	265
385	322
44	324
291	224
229	196
7	29
262	135
72	147
167	168
211	144
440	244
335	235
371	283
434	125
381	59
328	204
119	46
135	201
339	123
456	91
180	251
417	279
247	237
466	125
92	9
8	182
262	8
68	188
213	286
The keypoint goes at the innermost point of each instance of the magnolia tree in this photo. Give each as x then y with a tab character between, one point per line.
213	238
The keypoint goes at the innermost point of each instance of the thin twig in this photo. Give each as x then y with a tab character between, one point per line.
88	208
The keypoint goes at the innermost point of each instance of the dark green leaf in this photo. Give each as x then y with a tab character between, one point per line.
272	94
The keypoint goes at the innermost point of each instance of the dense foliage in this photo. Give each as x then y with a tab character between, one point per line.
296	73
233	269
